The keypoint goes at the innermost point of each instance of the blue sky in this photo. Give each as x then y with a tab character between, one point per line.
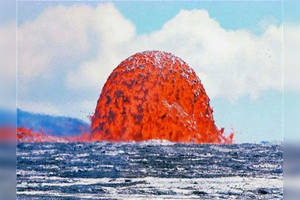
150	16
253	119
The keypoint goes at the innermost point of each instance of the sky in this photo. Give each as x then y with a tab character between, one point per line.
242	52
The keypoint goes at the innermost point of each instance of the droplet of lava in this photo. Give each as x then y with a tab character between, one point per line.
155	95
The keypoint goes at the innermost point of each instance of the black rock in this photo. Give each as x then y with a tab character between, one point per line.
263	191
199	192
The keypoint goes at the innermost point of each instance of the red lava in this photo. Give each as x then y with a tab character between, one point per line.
28	135
155	95
151	95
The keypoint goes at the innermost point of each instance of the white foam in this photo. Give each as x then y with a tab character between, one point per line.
182	187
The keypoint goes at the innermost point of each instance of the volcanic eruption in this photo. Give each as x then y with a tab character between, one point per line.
155	95
151	95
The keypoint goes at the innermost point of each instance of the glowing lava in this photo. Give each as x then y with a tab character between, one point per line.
28	135
155	95
150	95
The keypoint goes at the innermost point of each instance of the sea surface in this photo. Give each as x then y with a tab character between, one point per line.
149	170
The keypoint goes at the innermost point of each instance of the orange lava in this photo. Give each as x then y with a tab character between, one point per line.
28	135
155	95
150	95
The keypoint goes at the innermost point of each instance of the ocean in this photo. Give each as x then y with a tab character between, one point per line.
149	170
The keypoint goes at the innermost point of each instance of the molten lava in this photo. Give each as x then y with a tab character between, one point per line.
28	135
155	95
150	95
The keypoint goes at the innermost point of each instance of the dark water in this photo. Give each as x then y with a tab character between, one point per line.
150	170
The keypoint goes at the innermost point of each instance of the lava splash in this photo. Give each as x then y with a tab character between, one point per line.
151	95
155	95
31	136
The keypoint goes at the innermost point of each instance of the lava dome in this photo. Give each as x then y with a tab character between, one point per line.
155	95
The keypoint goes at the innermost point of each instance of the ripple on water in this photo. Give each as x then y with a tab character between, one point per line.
148	170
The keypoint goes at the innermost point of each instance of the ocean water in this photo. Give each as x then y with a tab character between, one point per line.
149	170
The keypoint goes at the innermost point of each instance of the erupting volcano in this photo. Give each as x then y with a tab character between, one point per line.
155	95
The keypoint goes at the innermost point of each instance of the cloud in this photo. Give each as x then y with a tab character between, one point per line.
42	107
230	63
291	57
82	45
60	32
114	36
